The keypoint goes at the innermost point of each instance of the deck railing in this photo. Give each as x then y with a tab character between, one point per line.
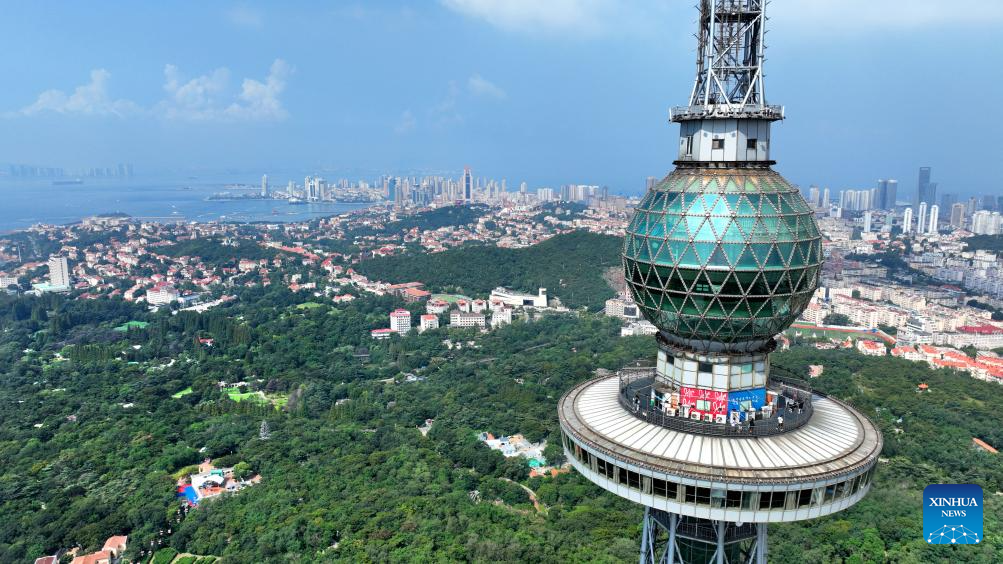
794	405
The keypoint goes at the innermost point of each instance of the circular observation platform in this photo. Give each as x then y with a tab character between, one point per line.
823	465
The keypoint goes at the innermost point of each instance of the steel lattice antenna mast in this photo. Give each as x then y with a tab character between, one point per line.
730	57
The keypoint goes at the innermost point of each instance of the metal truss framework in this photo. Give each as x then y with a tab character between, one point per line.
730	54
668	538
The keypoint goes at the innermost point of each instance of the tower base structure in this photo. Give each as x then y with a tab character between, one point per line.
668	538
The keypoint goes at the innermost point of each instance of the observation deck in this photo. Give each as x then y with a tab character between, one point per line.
726	111
794	398
815	467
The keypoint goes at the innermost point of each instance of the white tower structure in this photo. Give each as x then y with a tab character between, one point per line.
921	220
907	221
867	222
934	218
264	185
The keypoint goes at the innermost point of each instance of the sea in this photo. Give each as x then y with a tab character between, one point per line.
28	201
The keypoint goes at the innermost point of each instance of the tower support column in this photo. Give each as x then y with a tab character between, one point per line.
667	538
760	543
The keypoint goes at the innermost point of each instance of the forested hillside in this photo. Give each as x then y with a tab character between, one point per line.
570	266
91	439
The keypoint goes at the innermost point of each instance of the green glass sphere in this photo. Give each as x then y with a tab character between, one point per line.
726	256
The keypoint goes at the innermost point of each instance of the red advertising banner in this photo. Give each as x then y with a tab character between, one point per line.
718	401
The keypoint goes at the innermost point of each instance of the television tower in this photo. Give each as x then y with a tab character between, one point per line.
721	255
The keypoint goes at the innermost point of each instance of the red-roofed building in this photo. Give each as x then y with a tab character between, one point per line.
436	307
412	295
428	321
871	348
100	557
907	352
984	329
116	545
984	445
944	363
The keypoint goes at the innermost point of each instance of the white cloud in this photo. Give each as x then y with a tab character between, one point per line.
204	98
260	100
480	86
208	97
88	99
246	17
196	99
573	16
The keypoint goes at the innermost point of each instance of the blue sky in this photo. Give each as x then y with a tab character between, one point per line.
548	92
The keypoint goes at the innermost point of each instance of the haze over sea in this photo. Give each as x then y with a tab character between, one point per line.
27	201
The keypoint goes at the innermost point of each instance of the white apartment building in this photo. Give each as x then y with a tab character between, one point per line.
622	307
501	316
466	319
400	321
162	294
428	321
59	272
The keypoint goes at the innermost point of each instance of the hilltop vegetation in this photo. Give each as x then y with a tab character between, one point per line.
91	438
215	252
570	266
448	216
992	243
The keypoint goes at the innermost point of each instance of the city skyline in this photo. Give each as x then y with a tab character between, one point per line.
257	88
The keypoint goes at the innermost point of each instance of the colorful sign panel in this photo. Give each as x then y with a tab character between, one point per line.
704	401
742	400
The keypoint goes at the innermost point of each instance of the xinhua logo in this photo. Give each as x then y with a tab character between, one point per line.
952	514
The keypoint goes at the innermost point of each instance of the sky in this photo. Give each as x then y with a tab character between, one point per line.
555	92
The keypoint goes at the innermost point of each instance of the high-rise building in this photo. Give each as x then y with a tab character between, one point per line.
885	194
400	321
891	194
264	185
393	193
986	223
814	197
867	222
934	219
59	272
468	185
650	182
907	221
958	215
921	219
826	201
926	191
989	203
523	187
947	201
857	200
713	440
880	194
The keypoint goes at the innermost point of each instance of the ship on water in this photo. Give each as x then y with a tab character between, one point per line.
68	182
